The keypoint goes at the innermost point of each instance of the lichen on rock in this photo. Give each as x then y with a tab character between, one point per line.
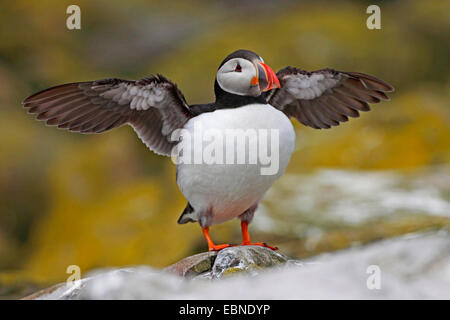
214	265
245	259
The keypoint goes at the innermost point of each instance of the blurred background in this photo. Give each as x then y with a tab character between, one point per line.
105	200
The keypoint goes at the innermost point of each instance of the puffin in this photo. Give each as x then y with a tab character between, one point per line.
249	95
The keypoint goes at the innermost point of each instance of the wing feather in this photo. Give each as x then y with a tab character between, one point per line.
153	106
322	99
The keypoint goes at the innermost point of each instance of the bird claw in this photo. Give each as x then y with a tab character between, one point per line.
218	247
262	244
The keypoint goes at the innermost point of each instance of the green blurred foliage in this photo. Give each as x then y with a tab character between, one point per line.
106	200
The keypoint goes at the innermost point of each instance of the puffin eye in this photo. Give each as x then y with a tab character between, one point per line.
238	68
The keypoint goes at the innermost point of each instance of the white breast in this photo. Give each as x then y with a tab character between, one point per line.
228	189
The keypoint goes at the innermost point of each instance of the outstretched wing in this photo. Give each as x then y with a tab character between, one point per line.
324	98
153	106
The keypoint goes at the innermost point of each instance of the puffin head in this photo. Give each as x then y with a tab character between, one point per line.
243	73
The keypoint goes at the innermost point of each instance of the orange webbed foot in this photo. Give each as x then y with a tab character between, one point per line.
218	247
211	245
262	244
246	238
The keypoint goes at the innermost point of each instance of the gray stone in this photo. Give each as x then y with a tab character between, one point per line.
416	266
245	259
193	265
239	259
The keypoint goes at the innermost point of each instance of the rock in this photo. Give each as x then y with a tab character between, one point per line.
124	283
410	267
242	259
193	265
245	259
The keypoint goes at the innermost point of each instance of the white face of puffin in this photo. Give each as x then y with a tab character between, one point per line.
242	77
236	75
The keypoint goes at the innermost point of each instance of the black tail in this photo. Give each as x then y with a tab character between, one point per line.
187	215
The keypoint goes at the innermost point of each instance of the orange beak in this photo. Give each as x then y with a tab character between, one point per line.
267	79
